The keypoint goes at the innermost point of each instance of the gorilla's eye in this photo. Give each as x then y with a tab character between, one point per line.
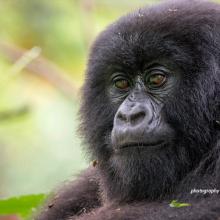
121	83
156	80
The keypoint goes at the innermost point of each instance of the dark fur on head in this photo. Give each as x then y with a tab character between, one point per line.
188	34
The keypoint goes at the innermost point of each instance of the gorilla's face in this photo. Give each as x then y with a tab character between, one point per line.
149	102
139	123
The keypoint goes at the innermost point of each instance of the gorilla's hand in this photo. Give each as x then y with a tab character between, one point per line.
113	212
77	197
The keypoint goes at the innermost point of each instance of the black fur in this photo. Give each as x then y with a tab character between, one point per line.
141	186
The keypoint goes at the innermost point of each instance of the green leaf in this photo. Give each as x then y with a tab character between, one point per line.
176	204
23	205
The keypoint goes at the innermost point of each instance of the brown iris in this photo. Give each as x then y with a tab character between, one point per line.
156	80
122	84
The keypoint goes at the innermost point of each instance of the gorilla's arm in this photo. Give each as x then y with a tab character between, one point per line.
207	209
75	198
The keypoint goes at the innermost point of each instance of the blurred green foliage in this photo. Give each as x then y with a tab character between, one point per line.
22	206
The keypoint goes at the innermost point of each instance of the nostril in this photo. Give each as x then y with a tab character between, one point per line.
122	117
137	117
133	118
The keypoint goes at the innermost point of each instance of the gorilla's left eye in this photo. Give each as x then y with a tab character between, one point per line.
156	80
121	84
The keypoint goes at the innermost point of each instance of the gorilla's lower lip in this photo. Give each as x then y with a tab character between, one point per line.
141	145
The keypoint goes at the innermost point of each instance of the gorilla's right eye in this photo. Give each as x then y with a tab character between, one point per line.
156	80
121	83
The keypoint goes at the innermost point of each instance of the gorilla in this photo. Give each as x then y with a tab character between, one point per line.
150	118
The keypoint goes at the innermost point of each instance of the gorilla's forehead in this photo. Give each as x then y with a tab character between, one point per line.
182	32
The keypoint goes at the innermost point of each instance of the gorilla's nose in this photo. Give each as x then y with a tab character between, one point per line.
138	124
133	116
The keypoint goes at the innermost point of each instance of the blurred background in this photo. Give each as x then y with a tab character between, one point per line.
44	46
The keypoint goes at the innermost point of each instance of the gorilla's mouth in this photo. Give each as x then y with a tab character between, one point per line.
141	145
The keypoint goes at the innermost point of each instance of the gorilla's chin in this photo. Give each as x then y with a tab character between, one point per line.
140	174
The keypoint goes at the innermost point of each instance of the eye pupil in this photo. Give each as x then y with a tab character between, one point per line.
122	84
156	80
